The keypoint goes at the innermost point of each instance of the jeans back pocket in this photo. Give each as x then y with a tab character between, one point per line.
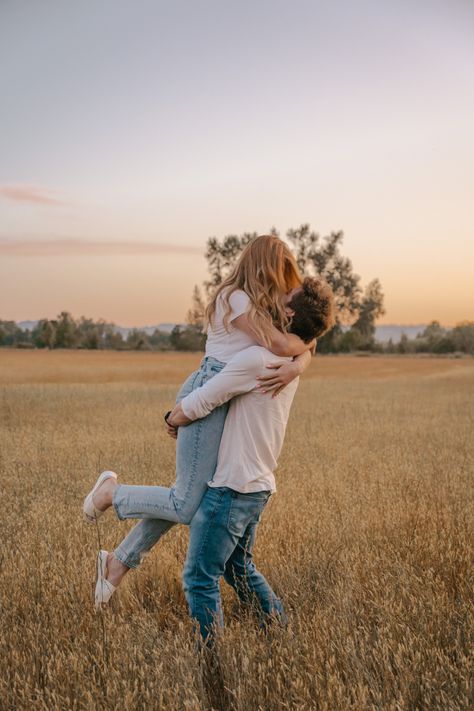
243	512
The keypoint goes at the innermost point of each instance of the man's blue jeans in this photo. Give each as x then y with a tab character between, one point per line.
222	535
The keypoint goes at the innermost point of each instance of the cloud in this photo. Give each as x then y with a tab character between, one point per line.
81	247
31	195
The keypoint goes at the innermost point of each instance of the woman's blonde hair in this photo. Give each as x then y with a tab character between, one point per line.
266	270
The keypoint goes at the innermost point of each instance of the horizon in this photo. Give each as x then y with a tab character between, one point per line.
183	323
119	162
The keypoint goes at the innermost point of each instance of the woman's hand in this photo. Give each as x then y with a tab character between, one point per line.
283	374
176	418
279	379
172	431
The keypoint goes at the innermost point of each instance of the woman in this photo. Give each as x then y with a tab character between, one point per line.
247	309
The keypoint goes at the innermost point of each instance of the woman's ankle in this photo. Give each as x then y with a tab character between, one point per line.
116	570
104	495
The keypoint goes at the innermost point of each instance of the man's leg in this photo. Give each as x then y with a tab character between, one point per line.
210	545
221	520
249	584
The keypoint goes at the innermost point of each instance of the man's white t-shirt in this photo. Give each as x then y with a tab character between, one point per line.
255	425
221	343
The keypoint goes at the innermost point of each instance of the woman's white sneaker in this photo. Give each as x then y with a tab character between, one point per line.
91	513
103	589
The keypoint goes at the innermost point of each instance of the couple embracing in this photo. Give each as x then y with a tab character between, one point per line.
229	423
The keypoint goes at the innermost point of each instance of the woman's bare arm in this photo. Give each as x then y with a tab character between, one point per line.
281	344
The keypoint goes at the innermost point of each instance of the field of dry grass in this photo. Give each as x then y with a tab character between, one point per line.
368	540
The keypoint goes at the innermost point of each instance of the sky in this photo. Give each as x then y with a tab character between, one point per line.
131	132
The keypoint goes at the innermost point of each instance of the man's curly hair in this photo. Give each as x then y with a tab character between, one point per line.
314	309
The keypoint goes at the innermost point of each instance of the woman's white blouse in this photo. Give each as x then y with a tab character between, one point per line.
221	343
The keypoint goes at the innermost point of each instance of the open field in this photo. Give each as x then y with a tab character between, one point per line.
368	541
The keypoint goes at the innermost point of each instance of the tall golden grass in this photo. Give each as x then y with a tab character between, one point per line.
368	541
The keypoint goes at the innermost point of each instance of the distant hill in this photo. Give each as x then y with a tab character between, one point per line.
163	327
27	325
394	332
382	333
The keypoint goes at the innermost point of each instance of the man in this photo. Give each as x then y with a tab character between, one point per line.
223	530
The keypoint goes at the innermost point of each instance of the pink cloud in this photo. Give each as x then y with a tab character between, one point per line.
81	247
30	194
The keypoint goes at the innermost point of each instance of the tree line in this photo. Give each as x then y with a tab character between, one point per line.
357	309
68	332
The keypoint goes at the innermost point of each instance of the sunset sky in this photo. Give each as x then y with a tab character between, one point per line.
131	132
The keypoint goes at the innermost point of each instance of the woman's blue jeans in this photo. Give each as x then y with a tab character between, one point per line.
222	535
161	507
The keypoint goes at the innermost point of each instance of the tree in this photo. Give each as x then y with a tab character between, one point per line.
91	334
348	341
429	340
197	312
371	307
405	345
92	339
138	340
433	332
44	334
463	336
192	336
11	334
160	340
67	335
390	347
189	338
112	338
322	257
221	257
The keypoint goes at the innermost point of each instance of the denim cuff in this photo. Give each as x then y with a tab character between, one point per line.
116	505
125	559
